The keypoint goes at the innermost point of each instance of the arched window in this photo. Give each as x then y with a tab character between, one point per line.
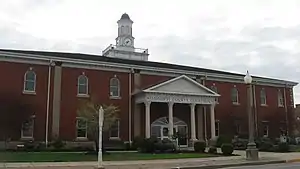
215	89
114	87
263	97
234	95
29	81
83	85
280	98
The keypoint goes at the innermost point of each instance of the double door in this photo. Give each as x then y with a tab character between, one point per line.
182	141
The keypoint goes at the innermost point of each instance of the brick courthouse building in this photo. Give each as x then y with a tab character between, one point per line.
152	97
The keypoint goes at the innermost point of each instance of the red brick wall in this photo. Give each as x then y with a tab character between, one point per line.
152	80
12	85
98	88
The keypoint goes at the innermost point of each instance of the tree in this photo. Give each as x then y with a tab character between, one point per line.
89	110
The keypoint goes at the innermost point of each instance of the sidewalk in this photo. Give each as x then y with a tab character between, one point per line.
265	158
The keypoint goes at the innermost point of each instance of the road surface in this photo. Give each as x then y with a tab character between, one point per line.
272	166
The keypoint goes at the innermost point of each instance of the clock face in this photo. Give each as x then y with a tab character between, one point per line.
127	42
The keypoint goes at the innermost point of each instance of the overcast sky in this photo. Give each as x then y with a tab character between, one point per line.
233	35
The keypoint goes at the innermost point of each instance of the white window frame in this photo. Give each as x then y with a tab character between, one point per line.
86	85
32	133
26	80
263	97
118	136
234	91
84	128
280	98
115	87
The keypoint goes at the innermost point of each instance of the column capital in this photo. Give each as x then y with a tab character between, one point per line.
192	105
170	104
147	103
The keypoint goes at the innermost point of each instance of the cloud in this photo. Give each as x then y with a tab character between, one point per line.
260	36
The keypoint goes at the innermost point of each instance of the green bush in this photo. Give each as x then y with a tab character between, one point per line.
58	144
199	146
137	142
222	140
227	149
266	146
154	145
212	150
283	147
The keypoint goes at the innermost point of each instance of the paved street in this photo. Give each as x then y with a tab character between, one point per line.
272	166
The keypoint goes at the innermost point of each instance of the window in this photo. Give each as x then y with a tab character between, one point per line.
27	128
280	98
81	127
263	97
114	131
237	129
29	81
266	130
83	85
234	95
215	89
114	87
217	128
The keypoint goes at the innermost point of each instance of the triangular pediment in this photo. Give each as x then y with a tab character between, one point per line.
182	85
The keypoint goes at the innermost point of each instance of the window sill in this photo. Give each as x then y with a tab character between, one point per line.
26	138
83	95
115	97
115	138
29	92
235	103
81	139
280	106
264	105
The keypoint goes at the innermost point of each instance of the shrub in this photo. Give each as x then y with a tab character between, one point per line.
137	142
266	146
283	147
223	139
29	145
58	144
212	150
199	146
227	149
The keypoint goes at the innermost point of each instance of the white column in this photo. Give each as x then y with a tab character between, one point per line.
170	105
193	122
212	121
147	120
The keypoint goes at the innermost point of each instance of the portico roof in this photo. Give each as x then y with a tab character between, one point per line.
181	89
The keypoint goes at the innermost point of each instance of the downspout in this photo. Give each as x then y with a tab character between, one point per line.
129	106
48	103
285	109
255	109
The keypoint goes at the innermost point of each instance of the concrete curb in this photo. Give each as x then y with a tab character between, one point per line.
293	160
234	165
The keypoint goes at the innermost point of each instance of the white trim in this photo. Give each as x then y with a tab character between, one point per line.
115	137
32	81
84	128
86	85
263	81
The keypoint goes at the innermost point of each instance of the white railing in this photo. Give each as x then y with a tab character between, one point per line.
114	47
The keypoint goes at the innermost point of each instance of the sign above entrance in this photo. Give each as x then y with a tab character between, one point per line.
175	98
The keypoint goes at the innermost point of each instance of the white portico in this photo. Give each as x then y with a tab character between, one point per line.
179	90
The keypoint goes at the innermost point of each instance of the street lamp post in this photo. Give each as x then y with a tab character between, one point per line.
251	151
101	118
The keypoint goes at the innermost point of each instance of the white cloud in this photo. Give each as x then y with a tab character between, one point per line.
262	36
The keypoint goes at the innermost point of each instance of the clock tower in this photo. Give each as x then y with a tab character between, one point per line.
124	47
125	39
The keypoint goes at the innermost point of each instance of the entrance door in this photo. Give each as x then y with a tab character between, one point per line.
183	136
165	132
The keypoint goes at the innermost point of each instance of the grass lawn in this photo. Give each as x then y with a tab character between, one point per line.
69	157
